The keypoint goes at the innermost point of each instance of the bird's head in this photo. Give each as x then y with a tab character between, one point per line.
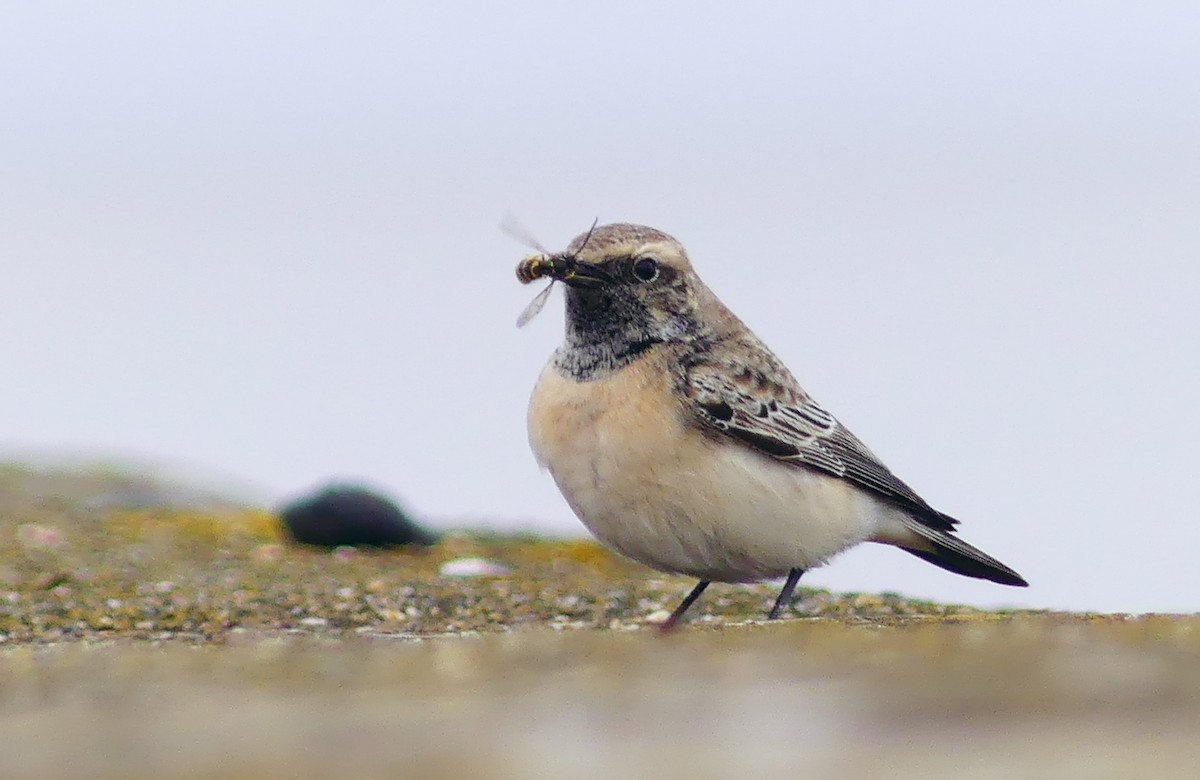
625	283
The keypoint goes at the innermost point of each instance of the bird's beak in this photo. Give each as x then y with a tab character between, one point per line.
574	272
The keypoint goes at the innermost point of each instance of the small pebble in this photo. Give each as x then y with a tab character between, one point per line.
473	567
314	622
268	553
39	537
657	617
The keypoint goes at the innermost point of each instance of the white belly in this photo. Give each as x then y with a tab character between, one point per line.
663	493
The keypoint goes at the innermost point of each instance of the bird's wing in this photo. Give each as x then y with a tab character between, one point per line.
756	401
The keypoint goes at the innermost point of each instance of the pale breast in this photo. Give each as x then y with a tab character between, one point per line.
650	484
611	432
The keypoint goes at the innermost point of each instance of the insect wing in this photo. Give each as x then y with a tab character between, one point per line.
512	227
534	306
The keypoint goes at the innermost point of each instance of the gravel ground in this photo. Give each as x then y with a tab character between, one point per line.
164	574
1021	697
75	567
143	636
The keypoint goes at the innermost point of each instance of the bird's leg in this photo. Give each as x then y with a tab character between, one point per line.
688	600
785	595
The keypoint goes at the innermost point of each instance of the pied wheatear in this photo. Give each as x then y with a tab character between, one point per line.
682	442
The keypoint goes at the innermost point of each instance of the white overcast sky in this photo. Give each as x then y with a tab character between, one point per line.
260	240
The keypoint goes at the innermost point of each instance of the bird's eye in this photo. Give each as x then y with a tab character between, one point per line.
646	269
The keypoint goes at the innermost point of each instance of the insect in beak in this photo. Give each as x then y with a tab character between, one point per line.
560	267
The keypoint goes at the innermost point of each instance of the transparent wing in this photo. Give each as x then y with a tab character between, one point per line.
514	229
535	306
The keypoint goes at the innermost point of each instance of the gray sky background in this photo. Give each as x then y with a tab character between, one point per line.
260	240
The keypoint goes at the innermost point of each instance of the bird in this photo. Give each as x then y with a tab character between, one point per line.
682	442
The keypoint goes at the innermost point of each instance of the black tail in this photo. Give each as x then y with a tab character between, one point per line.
953	554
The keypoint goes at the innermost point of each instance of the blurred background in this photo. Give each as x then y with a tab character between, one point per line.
259	246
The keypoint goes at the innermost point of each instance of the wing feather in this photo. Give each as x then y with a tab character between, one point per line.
764	407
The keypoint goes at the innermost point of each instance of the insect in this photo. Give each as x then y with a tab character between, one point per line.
534	266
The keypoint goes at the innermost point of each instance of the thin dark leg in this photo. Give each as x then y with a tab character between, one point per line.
785	595
690	599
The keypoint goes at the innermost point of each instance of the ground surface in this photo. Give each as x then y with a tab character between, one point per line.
195	642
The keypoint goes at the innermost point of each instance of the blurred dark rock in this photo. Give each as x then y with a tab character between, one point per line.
340	515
